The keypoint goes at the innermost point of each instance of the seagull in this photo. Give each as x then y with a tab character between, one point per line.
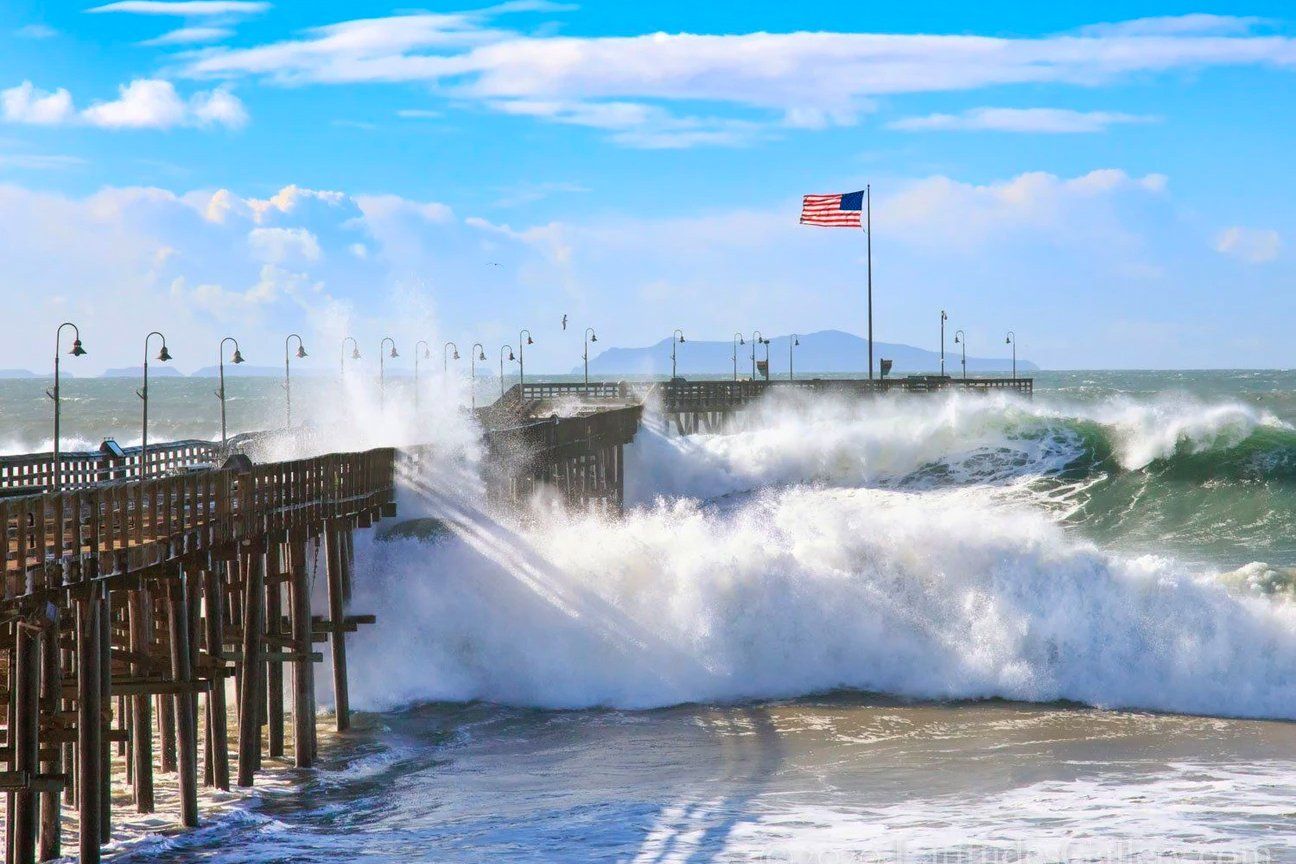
493	264
564	320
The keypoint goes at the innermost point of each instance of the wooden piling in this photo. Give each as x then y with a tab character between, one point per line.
335	562
186	723
217	723
24	740
89	754
249	683
51	802
141	705
303	672
274	667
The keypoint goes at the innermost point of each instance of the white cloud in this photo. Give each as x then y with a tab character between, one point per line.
190	36
146	103
185	8
38	161
1042	120
276	245
27	104
1252	245
36	31
802	79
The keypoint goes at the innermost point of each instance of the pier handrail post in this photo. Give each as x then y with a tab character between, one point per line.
77	351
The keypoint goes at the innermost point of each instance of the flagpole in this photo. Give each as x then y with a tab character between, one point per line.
868	229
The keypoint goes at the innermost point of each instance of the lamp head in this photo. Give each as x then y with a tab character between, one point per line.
796	341
393	351
742	341
530	341
77	350
355	353
511	357
301	351
427	353
164	355
681	338
956	339
593	337
238	357
1008	340
456	355
481	355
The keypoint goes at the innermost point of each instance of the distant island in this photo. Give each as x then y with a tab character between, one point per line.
830	351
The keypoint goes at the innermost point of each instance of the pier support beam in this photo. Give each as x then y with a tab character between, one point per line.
277	564
186	722
51	806
303	677
335	562
249	682
141	720
89	753
24	740
217	722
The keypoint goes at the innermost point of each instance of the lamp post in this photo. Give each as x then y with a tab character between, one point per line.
382	370
163	356
737	340
427	355
77	351
236	359
522	355
944	318
301	352
1012	340
478	353
355	354
767	369
504	348
757	338
960	338
589	337
677	338
445	359
796	341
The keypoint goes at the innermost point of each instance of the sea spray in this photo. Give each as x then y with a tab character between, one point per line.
800	590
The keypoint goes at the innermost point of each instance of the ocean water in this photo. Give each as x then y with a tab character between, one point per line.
953	628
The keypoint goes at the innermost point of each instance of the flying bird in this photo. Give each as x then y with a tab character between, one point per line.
493	264
564	321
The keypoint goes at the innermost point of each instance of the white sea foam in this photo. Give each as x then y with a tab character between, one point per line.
940	594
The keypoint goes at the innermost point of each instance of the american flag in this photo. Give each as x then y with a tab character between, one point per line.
833	211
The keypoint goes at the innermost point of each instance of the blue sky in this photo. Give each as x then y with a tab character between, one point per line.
1112	183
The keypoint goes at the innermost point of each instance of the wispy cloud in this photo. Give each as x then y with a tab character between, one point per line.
1040	120
628	86
36	31
185	8
1252	245
190	36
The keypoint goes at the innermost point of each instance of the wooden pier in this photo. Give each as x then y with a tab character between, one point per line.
127	604
136	587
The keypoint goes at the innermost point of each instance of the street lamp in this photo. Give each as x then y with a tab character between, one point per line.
522	355
738	340
944	318
77	351
1012	340
589	337
355	353
757	338
960	338
767	369
288	380
163	356
427	355
478	353
796	341
677	338
503	348
445	360
220	394
382	370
